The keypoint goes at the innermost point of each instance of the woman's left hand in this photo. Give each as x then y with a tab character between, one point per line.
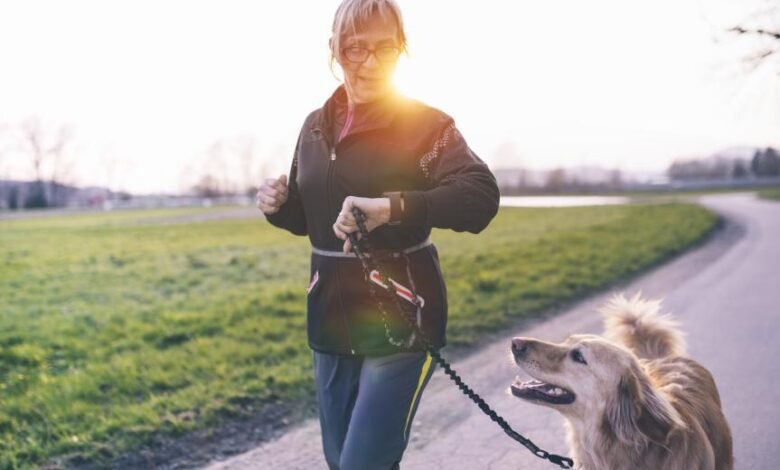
376	210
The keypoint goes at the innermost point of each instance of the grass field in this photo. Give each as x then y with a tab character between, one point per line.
772	194
116	328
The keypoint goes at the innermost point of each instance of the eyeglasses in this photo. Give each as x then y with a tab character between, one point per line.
359	54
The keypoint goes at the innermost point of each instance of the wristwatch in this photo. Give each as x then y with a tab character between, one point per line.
396	207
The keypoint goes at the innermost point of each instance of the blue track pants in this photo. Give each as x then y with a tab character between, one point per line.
367	405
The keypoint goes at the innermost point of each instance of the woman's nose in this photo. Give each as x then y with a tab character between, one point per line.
371	61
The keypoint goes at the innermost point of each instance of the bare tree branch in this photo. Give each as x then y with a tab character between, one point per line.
755	31
244	148
47	151
228	167
754	61
108	162
31	133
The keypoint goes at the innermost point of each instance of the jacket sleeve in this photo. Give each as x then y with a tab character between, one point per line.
463	194
291	215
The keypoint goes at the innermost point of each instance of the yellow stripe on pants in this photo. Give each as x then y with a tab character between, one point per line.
423	374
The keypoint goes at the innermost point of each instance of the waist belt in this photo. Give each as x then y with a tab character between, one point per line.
396	253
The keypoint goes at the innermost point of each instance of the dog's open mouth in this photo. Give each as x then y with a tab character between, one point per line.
536	390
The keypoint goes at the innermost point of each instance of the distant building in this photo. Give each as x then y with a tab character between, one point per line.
17	195
20	195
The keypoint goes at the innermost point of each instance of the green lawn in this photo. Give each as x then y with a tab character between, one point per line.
115	329
771	194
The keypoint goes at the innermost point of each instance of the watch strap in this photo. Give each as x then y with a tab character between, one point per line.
396	212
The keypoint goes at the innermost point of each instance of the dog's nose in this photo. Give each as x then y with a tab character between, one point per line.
519	346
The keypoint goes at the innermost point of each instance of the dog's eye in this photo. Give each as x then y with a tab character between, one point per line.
577	356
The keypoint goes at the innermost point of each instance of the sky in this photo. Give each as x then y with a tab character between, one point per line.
149	87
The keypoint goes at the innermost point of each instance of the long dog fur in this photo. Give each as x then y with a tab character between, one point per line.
640	401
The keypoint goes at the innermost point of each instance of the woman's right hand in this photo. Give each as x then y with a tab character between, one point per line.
272	194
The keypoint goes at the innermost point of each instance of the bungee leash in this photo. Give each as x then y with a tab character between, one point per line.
362	252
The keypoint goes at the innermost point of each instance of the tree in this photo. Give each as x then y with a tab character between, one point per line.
46	148
681	170
740	169
6	189
760	31
616	179
228	168
207	186
244	149
109	163
766	163
556	180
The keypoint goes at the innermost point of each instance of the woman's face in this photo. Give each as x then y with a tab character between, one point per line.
370	79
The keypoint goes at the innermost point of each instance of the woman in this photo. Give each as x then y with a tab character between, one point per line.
408	169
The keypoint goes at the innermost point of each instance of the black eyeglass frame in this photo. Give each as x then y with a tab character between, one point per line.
367	51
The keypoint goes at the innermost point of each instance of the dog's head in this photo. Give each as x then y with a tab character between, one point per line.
596	384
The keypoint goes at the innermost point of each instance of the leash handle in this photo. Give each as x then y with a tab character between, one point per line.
360	219
562	462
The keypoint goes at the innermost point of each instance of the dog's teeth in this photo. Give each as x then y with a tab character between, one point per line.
558	391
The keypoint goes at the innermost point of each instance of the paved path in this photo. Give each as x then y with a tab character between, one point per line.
725	293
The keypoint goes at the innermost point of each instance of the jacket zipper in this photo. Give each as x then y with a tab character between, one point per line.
328	191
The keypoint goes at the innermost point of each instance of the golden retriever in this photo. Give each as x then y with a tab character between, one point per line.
631	399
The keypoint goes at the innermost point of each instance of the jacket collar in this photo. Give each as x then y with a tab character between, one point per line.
367	116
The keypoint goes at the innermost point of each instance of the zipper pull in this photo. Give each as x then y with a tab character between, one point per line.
333	154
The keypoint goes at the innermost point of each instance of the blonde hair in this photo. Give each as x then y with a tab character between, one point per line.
353	14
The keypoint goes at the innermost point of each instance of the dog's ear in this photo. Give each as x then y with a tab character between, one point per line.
639	409
658	416
623	409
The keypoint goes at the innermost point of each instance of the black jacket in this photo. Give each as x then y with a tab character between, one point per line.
396	144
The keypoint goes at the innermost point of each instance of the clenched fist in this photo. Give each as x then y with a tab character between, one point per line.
272	194
376	210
